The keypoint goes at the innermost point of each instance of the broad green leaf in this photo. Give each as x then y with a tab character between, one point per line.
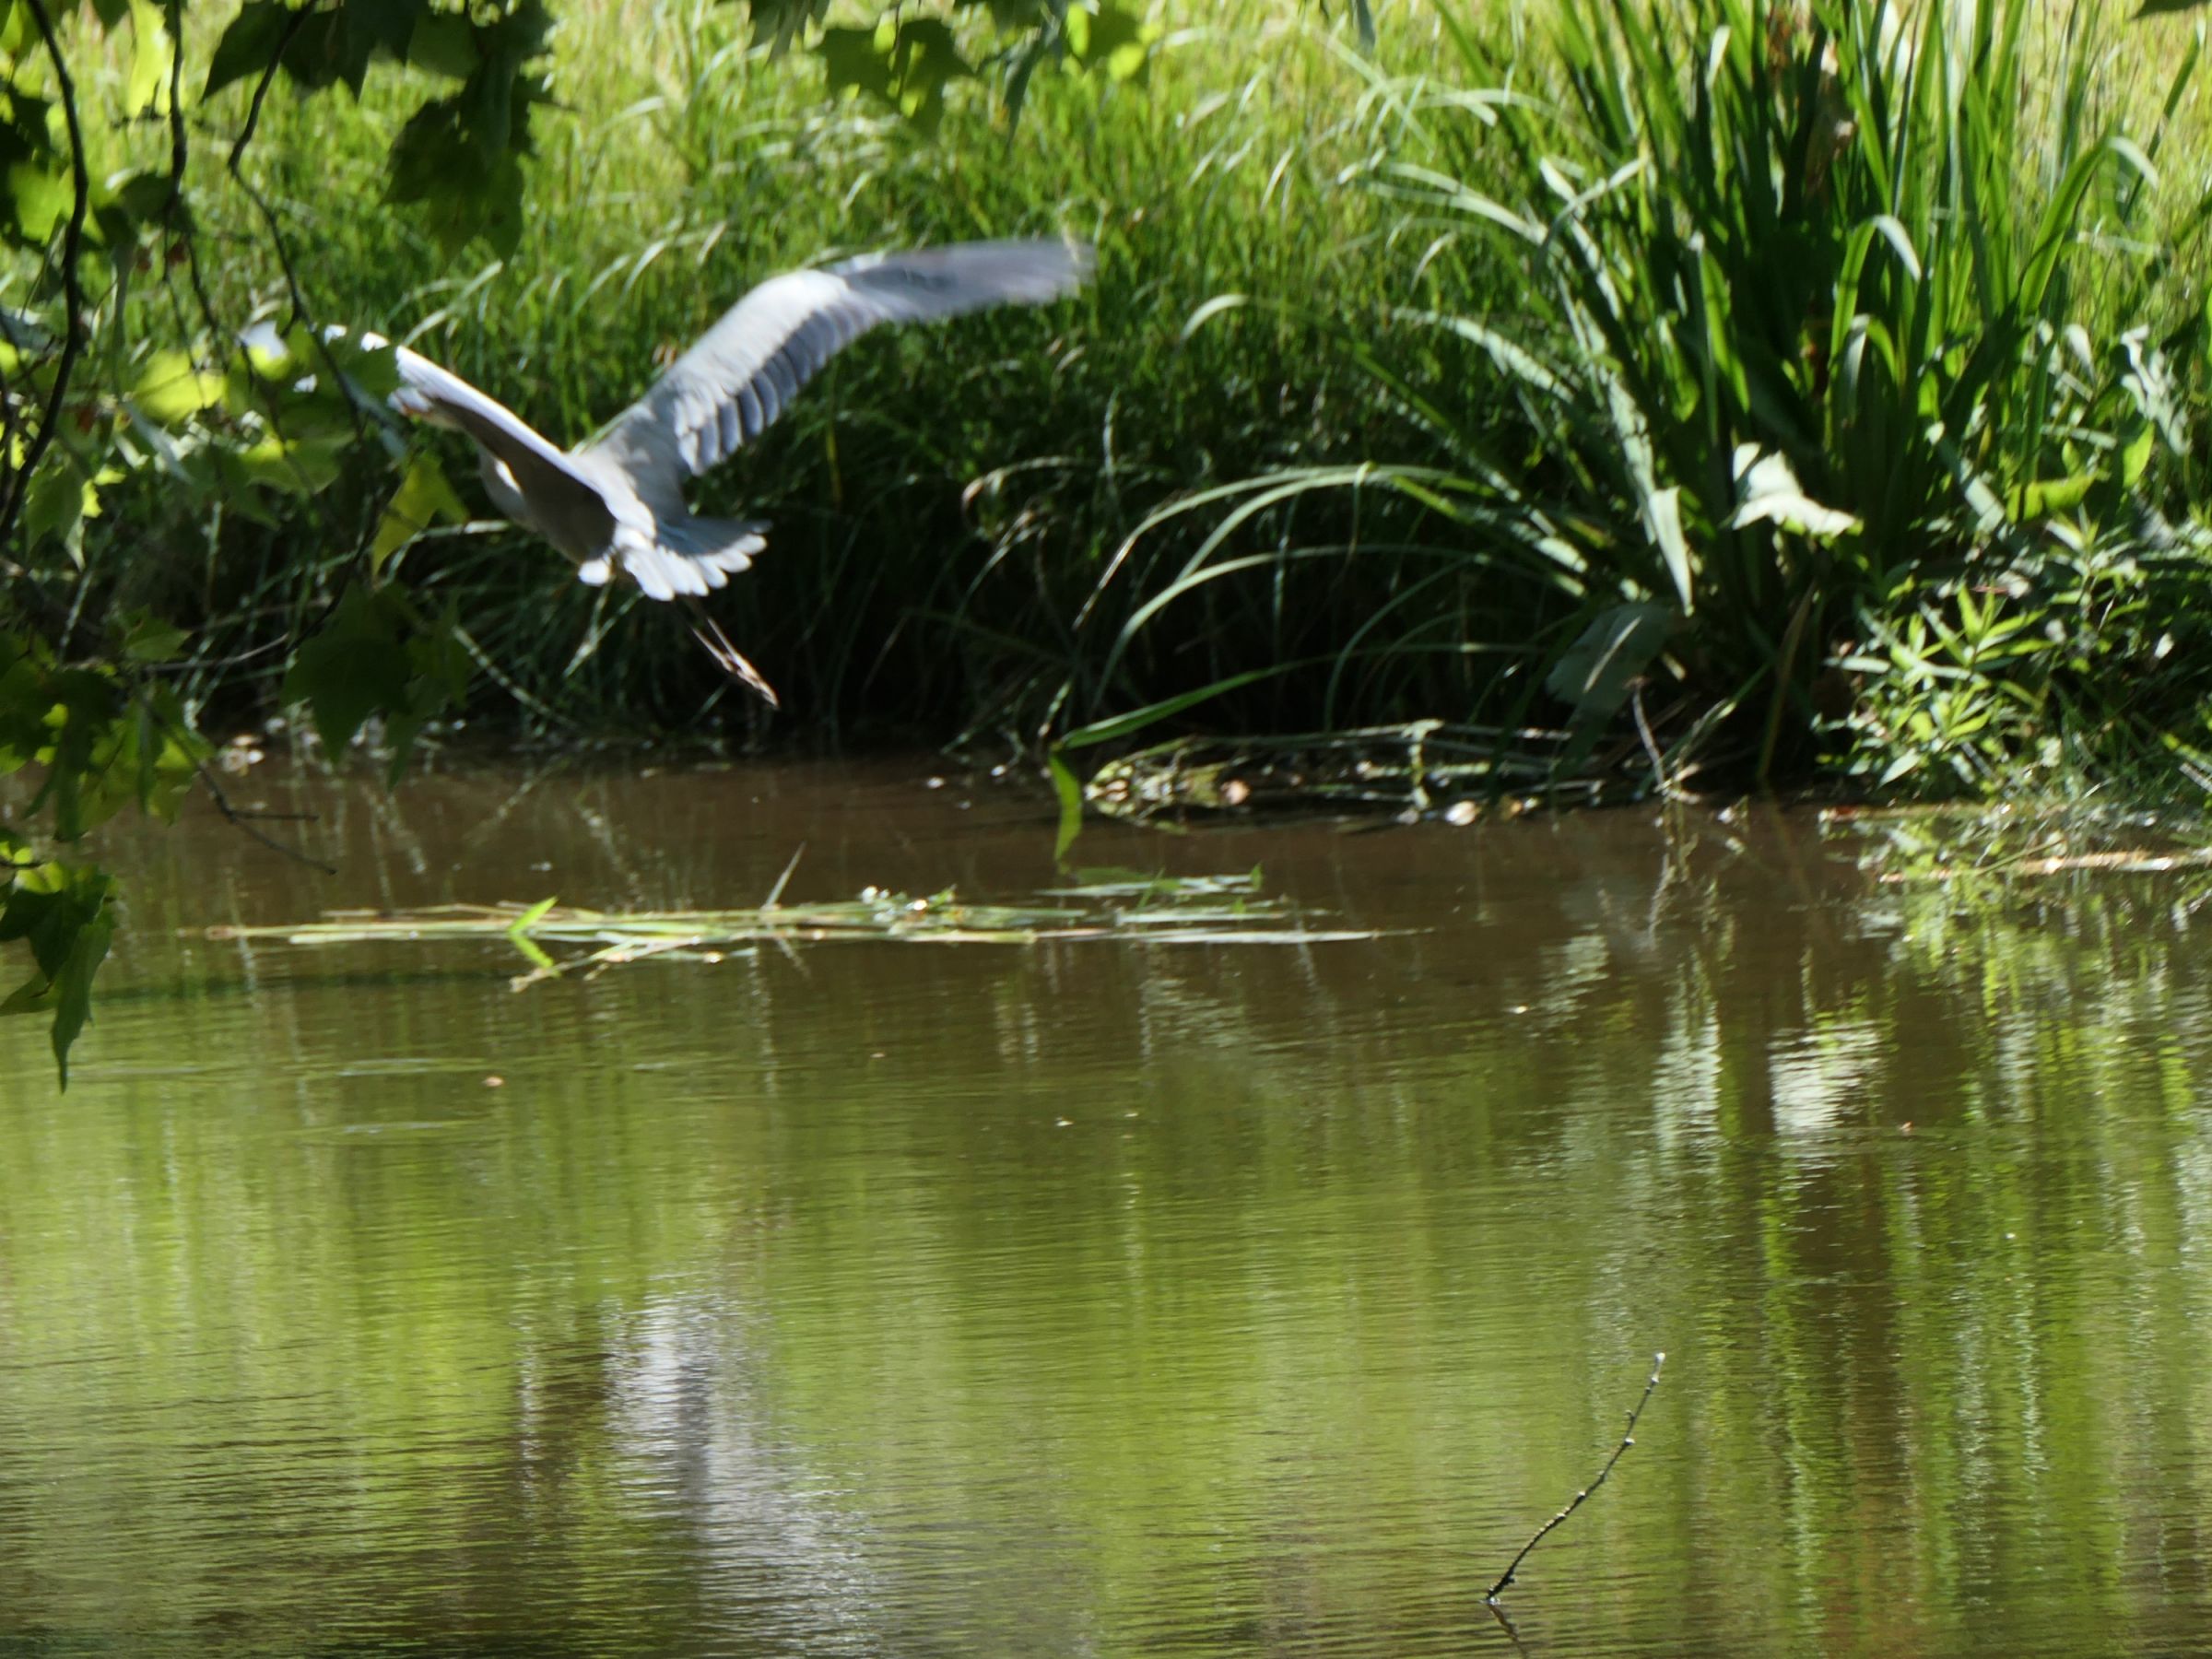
424	498
42	198
322	52
248	45
357	667
438	668
301	468
152	52
62	913
467	181
377	656
2024	503
141	195
443	43
906	64
104	750
2134	454
167	753
925	59
148	639
1597	672
24	665
55	511
387	27
1112	38
171	386
854	63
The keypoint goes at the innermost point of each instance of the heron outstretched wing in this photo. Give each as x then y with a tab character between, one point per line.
730	385
559	502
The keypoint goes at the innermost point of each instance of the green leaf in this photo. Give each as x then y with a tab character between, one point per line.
1111	38
443	43
151	54
103	750
424	498
148	639
779	23
323	51
438	668
387	26
43	197
1597	672
248	46
24	665
166	754
357	667
2026	503
1068	788
465	177
59	501
301	468
906	64
171	386
377	657
61	910
854	63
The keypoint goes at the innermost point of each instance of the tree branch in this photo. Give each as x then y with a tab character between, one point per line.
1628	1439
73	297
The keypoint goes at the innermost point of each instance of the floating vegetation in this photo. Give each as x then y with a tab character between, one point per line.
1420	768
558	939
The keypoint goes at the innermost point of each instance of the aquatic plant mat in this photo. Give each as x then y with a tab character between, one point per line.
1414	770
1097	906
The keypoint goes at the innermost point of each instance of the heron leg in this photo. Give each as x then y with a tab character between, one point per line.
708	633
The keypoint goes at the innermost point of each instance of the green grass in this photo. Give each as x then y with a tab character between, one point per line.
944	501
1757	391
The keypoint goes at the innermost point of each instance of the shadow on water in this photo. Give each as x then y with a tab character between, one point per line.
1087	1299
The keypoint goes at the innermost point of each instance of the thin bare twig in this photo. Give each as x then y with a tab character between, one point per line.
243	822
73	297
1628	1439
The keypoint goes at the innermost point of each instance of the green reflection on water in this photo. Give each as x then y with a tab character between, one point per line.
1066	1300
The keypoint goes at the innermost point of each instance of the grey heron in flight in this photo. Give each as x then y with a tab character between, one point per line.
615	504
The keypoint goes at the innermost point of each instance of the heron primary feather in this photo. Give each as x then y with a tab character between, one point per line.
615	505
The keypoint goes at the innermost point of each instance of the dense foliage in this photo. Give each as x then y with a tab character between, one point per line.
137	420
1739	392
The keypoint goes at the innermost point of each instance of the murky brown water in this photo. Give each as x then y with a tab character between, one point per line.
1093	1299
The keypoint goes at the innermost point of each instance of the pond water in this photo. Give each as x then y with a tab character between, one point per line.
1104	1299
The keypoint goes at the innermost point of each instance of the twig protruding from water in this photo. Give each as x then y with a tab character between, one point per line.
1628	1439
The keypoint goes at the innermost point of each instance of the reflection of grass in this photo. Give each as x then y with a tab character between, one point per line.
1158	910
1955	844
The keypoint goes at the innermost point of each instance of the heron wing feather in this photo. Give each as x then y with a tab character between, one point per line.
561	504
726	391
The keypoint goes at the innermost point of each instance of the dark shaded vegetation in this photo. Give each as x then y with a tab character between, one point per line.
1711	394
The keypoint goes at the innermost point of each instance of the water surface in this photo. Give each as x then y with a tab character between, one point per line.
1104	1299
